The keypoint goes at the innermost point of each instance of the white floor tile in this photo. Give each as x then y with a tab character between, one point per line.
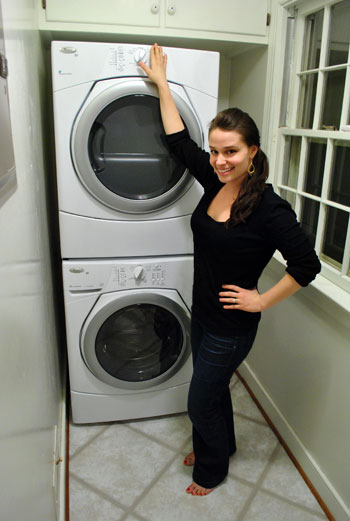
167	500
243	403
284	479
79	435
88	506
266	508
121	463
172	430
255	444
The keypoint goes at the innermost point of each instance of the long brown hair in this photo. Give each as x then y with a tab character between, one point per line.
254	185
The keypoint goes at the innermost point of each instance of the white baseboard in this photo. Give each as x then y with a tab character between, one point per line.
62	465
319	480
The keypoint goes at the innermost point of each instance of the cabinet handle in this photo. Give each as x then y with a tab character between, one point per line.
171	9
155	7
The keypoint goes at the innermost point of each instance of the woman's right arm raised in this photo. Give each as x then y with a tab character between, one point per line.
171	119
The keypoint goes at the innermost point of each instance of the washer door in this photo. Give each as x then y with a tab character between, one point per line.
136	339
119	150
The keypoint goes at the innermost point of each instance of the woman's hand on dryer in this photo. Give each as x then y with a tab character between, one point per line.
171	118
157	69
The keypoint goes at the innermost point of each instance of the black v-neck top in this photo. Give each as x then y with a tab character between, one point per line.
239	254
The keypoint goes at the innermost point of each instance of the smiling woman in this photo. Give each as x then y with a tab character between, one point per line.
237	226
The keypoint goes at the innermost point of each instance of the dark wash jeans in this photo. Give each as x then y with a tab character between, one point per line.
215	359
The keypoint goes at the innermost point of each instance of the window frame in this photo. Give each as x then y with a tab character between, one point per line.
299	11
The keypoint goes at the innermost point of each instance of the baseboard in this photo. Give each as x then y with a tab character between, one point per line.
330	501
62	462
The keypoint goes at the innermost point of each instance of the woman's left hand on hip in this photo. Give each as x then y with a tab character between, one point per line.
234	297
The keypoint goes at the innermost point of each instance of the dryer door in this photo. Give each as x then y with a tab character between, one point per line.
136	339
119	150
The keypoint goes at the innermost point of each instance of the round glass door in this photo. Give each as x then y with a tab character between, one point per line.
120	152
137	342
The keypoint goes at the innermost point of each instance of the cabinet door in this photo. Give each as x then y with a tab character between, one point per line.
230	16
122	12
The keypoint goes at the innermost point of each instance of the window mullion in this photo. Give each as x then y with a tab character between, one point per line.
321	80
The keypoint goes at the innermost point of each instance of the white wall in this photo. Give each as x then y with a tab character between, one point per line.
248	78
299	370
30	381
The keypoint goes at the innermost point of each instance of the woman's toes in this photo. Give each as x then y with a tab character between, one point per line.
197	490
189	459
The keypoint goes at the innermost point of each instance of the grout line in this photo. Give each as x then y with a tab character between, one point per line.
151	485
256	487
290	502
288	451
255	420
99	492
152	438
82	447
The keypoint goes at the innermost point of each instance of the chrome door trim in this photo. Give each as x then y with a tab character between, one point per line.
93	325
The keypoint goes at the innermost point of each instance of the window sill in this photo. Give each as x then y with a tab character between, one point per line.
327	295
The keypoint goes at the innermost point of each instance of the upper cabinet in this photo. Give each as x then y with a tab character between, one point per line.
230	20
228	16
145	13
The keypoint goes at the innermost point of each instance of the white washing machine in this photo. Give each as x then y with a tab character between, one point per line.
120	192
128	336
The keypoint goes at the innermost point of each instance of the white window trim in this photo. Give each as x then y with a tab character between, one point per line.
280	10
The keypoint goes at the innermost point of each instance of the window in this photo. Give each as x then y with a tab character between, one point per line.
314	139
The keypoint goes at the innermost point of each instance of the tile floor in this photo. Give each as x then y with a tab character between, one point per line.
133	471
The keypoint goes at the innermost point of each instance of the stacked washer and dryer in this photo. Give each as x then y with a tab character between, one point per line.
124	211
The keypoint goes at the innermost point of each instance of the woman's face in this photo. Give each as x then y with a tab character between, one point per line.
230	156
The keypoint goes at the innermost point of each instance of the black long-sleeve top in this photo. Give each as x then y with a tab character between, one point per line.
238	255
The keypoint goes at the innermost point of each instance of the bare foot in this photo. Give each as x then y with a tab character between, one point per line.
197	490
189	459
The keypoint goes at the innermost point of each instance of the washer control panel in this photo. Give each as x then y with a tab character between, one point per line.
110	276
139	275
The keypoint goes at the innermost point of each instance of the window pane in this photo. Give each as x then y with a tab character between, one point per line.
335	234
340	34
312	41
289	196
290	175
315	167
307	97
333	99
309	218
340	179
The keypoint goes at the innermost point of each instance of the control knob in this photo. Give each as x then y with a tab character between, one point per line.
138	271
140	55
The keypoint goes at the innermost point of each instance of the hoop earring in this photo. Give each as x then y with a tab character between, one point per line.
251	169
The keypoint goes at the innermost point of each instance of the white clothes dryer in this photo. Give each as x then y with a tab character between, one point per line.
120	192
128	336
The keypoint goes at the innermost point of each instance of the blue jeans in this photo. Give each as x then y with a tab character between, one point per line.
215	359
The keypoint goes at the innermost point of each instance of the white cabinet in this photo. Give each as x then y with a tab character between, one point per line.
230	20
229	16
122	12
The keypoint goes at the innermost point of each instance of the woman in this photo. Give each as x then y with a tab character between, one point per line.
237	226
